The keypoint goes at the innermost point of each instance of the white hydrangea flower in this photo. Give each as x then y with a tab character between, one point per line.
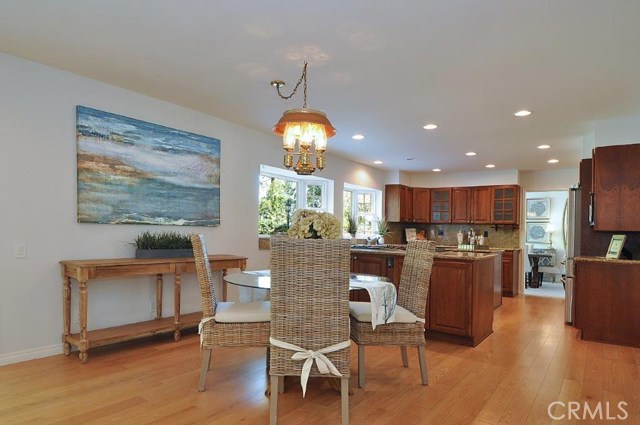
312	224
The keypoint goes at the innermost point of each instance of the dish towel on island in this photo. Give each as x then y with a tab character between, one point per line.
383	300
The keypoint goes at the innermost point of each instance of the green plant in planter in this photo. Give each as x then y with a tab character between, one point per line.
352	225
383	227
162	240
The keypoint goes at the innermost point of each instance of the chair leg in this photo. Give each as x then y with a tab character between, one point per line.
206	361
280	384
403	353
273	409
423	365
361	366
344	395
268	357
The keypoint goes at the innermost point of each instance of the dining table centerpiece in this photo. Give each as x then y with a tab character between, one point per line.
310	224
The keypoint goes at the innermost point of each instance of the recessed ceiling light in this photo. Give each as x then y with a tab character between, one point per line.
471	154
490	166
544	146
436	170
377	162
553	161
430	127
410	159
522	113
357	137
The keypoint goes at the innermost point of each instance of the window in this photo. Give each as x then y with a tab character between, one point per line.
282	192
364	205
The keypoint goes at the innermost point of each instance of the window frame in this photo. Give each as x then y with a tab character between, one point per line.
376	205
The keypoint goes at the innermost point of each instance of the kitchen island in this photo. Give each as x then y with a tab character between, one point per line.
461	293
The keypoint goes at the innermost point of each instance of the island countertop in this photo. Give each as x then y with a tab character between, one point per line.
445	255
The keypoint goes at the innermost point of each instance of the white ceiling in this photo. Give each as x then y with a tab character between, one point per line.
377	67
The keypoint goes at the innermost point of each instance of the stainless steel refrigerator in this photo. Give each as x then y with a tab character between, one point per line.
573	249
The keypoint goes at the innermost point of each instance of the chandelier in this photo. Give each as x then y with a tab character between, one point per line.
304	132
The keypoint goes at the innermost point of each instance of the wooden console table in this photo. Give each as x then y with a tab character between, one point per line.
84	270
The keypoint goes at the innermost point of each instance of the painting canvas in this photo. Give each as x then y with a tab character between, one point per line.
538	209
538	233
135	172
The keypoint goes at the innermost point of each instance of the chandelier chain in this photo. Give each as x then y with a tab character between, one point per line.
303	77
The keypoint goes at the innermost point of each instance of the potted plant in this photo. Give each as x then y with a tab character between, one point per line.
383	229
352	225
163	245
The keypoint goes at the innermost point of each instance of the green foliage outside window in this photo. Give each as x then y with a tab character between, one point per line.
272	211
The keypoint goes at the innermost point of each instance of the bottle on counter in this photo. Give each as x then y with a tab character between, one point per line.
460	236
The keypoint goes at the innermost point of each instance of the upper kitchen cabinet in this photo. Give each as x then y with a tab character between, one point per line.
441	205
505	201
461	205
421	204
616	173
398	203
471	205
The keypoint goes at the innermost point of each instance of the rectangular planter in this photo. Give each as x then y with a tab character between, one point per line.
164	253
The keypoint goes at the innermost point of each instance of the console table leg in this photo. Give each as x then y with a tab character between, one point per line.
158	296
66	311
224	285
84	343
176	305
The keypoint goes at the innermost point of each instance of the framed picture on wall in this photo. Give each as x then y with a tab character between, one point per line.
538	233
538	209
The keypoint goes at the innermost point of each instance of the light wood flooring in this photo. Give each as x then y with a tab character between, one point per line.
531	360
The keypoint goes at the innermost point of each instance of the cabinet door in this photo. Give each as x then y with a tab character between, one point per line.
396	272
460	205
398	203
481	205
441	205
510	273
367	264
449	307
505	204
615	187
421	204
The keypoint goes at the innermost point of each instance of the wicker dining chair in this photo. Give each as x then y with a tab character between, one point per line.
408	326
225	324
310	313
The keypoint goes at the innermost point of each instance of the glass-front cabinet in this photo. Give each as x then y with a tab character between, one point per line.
441	205
505	204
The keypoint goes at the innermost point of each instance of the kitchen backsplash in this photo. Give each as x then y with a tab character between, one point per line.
446	234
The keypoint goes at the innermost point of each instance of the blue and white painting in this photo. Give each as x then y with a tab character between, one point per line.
135	172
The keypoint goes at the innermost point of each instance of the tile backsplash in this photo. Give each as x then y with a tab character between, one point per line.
446	234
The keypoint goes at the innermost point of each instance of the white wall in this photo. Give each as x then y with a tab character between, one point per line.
617	131
38	181
479	178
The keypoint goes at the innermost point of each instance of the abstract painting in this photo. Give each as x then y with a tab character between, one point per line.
135	172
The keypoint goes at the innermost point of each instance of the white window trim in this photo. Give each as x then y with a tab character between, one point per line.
376	214
303	182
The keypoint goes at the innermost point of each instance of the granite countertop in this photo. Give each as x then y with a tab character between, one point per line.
605	260
400	250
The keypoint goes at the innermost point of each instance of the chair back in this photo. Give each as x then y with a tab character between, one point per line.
309	301
205	278
415	277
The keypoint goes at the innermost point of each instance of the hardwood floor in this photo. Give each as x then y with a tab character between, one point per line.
531	360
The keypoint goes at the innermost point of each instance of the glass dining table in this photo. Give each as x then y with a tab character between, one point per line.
382	292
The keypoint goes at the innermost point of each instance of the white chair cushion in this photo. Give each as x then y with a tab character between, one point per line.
254	311
361	311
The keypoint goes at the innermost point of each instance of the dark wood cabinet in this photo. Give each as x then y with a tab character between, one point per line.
607	301
461	301
504	204
421	204
616	173
510	273
441	205
389	266
398	203
481	205
461	205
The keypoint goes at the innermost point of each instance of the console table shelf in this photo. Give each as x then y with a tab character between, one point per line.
83	271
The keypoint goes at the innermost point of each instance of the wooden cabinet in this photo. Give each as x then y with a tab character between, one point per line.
421	204
510	273
398	203
616	173
505	201
461	299
481	205
607	300
461	205
389	266
441	205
